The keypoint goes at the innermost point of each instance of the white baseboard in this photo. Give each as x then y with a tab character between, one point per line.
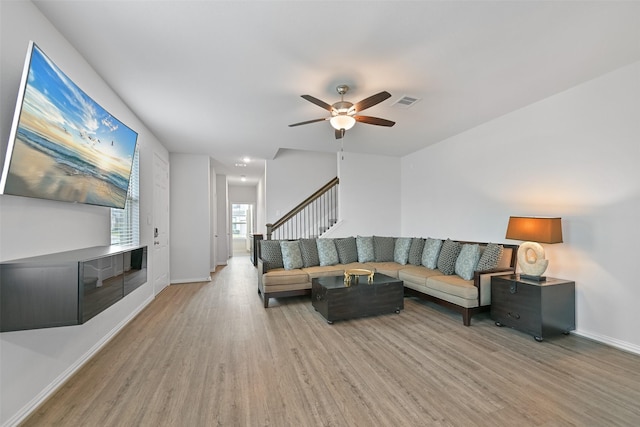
41	397
193	280
619	344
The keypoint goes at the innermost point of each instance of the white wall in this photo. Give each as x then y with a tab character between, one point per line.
261	219
283	193
573	155
190	218
224	226
33	363
369	195
213	208
244	194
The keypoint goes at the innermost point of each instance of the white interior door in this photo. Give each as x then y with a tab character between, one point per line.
160	224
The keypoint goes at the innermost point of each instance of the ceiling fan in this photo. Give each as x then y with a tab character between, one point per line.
344	114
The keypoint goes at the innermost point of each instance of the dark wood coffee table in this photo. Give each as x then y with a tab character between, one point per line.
335	300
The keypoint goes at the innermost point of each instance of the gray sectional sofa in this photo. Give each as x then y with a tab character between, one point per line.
454	274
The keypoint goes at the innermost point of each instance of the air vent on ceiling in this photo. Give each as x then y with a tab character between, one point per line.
405	102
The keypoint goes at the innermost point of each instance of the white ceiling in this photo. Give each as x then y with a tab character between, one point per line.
224	78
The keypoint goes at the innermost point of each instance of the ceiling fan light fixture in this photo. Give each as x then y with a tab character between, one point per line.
344	114
342	122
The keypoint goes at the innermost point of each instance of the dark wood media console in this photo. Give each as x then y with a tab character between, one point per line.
67	288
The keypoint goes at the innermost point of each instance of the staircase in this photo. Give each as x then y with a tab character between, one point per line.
311	218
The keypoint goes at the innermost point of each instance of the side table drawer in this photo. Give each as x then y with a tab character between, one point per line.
516	305
541	308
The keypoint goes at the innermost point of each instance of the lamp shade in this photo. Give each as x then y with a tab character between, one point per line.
342	121
535	229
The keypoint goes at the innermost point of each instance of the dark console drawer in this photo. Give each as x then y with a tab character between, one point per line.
516	305
538	308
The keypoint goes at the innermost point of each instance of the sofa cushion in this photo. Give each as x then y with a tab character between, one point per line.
356	265
453	285
291	256
490	257
417	274
334	270
309	252
347	250
415	251
507	255
327	252
448	256
401	250
383	248
431	252
467	261
271	253
322	271
365	248
280	276
390	268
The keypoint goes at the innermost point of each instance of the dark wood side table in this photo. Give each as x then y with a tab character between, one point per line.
541	309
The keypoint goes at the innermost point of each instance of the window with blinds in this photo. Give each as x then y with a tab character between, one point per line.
125	223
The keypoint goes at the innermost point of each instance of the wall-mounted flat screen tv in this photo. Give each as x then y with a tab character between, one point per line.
63	145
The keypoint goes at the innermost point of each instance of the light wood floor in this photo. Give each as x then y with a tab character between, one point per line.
208	354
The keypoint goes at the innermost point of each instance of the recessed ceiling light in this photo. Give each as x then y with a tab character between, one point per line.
241	165
243	178
246	159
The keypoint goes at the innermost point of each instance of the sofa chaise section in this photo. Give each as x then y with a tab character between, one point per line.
467	297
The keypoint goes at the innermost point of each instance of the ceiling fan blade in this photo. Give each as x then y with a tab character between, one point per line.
318	102
371	101
308	121
340	133
374	121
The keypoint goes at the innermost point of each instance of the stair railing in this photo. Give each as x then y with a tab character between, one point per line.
315	215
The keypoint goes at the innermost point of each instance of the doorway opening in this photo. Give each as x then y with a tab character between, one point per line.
241	228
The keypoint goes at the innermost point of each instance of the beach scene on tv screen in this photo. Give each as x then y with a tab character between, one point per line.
67	147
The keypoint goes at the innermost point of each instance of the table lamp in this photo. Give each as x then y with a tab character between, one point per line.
534	230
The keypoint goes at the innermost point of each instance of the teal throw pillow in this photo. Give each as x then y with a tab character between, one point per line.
364	245
467	261
327	252
401	250
291	255
431	253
